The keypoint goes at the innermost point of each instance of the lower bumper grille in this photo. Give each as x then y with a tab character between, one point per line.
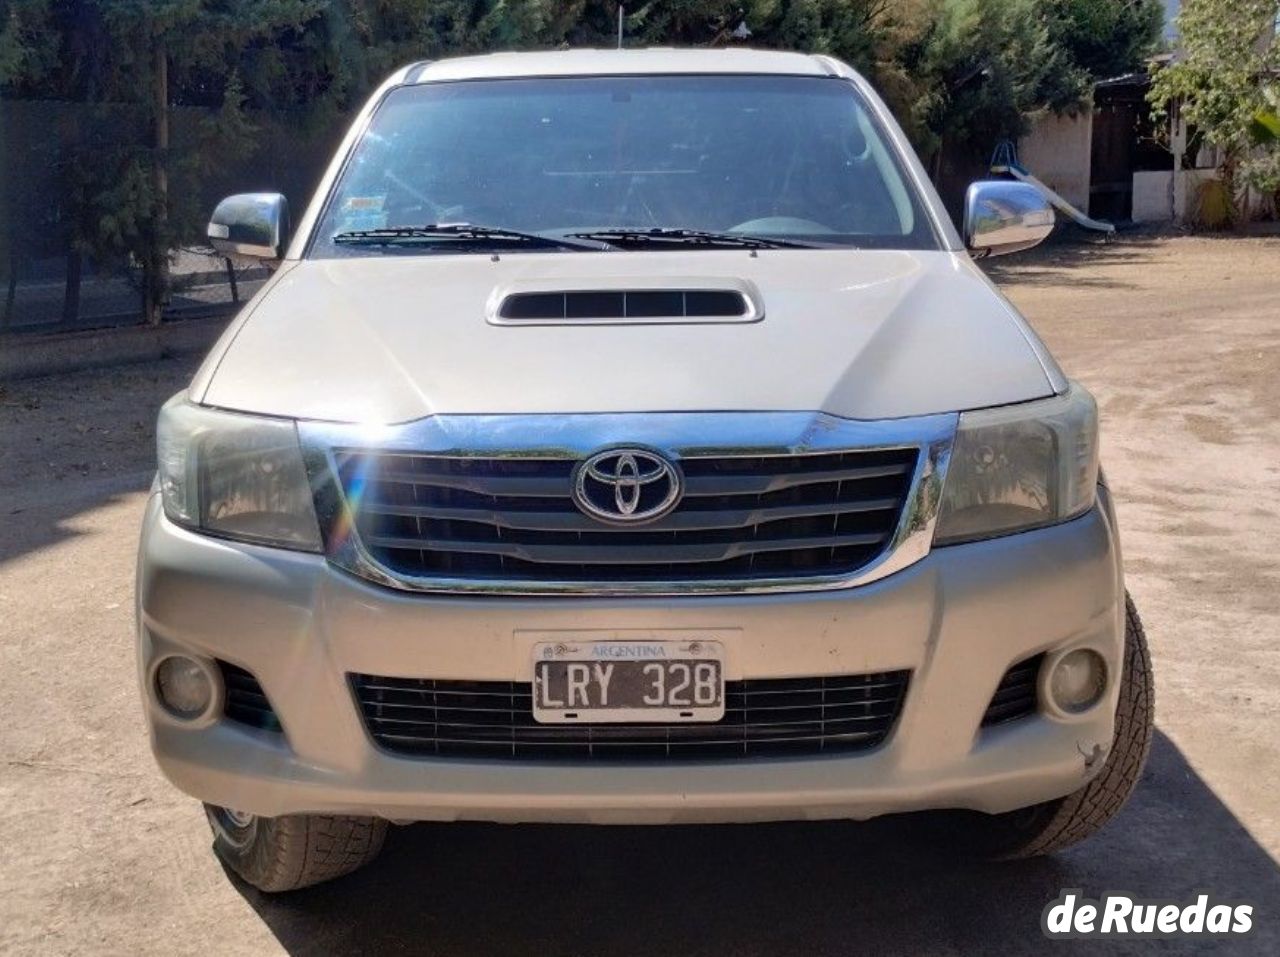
1016	695
423	717
246	702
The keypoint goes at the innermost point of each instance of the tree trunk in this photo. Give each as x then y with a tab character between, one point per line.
1236	215
156	269
12	292
231	280
8	245
71	291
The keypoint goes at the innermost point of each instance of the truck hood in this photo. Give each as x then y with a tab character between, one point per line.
858	334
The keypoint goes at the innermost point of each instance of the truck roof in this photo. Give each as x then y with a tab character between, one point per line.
615	62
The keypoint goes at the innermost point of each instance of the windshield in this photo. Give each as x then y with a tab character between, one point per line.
797	159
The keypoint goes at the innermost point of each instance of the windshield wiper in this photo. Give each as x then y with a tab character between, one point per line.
665	235
453	232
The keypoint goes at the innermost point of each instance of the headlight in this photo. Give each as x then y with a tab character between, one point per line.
238	476
1020	467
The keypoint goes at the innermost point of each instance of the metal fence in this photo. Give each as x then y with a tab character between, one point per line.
49	287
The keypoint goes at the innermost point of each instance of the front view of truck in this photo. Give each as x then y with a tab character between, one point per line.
630	437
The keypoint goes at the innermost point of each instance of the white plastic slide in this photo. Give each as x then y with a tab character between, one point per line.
1017	172
1005	160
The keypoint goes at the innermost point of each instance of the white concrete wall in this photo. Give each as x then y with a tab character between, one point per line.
1056	152
1153	197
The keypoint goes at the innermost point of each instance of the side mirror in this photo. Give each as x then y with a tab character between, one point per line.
1004	217
250	226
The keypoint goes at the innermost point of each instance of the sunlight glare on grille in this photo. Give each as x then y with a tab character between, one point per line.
742	517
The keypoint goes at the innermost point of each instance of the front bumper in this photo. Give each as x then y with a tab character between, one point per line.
957	619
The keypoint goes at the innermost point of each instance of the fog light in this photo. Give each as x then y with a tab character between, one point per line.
1078	680
184	687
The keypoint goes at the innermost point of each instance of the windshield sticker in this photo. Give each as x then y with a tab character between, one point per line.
362	212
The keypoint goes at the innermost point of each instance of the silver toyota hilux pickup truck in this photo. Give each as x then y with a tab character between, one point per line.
630	437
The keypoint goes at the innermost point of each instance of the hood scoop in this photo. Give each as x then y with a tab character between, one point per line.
634	304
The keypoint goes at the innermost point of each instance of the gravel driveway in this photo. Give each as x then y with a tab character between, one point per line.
1180	340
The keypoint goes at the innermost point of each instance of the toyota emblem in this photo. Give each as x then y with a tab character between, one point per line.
627	486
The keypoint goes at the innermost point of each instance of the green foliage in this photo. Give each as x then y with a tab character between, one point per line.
1262	168
1264	130
26	50
1223	82
124	200
959	69
993	64
1105	38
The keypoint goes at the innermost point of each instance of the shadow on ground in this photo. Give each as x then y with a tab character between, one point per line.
74	444
1073	261
803	889
32	520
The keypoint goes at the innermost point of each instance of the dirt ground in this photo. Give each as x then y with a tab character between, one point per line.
1180	340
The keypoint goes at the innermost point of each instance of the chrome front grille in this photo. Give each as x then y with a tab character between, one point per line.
422	717
508	518
485	504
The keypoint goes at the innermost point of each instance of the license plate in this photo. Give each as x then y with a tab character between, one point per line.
611	682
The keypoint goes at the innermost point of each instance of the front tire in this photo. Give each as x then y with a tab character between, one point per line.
296	850
1055	825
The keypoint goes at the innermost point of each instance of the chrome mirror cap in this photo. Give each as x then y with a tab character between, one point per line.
250	226
1005	217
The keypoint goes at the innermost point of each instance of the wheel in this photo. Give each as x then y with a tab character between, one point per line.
1054	825
296	850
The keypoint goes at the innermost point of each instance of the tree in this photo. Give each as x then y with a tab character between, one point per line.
987	65
1225	85
1105	38
193	38
127	61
